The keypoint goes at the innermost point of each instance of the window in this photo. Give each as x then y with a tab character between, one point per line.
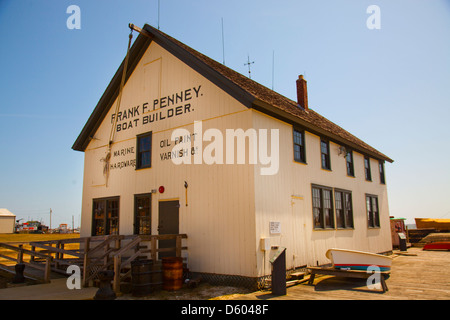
344	209
325	150
322	207
299	146
373	216
382	177
144	151
142	214
367	169
349	160
105	216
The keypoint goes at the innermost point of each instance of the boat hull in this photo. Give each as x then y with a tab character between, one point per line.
437	246
438	224
358	260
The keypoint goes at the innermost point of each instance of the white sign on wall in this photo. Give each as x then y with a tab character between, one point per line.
275	227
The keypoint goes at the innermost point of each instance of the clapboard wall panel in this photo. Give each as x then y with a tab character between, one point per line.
217	213
287	198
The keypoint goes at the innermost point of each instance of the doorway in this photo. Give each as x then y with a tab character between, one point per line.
169	220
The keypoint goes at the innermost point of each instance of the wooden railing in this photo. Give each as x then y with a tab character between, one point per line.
94	254
97	258
154	244
152	251
20	251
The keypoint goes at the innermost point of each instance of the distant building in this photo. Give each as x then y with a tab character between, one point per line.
327	190
33	227
63	228
7	221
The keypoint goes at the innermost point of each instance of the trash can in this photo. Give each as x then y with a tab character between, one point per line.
278	262
402	241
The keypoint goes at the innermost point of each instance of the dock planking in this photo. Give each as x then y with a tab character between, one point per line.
420	275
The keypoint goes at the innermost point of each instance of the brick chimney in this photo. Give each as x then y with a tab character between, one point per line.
302	92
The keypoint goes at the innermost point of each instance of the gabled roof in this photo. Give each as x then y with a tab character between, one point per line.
245	90
6	213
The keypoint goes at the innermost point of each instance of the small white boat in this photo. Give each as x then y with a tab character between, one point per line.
358	260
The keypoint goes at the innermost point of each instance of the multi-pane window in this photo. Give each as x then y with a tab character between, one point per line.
344	209
373	215
142	214
367	172
299	146
325	154
349	161
105	216
144	151
381	167
322	207
329	212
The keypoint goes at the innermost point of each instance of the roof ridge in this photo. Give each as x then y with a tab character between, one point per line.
217	65
270	96
248	91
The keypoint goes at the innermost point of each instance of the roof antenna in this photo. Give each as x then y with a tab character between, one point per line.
158	13
223	45
273	67
248	63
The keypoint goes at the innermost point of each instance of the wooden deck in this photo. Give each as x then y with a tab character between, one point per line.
424	276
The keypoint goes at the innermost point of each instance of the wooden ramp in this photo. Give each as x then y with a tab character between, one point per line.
55	290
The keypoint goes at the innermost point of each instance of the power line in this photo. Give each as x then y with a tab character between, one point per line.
26	211
445	214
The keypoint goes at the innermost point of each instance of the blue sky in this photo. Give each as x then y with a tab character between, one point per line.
389	87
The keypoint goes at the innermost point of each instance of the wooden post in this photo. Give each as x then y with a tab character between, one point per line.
33	248
118	243
178	246
47	270
86	270
20	254
86	261
87	242
153	248
57	254
116	281
61	255
58	246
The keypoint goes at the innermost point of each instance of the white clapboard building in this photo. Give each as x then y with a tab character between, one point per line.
196	148
7	221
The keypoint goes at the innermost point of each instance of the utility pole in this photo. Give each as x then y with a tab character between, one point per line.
72	225
50	219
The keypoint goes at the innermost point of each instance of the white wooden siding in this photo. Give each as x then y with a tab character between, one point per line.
228	207
218	214
287	198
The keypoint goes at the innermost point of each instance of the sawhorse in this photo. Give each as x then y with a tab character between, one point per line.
349	274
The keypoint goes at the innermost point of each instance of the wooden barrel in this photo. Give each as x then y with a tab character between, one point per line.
172	273
145	277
